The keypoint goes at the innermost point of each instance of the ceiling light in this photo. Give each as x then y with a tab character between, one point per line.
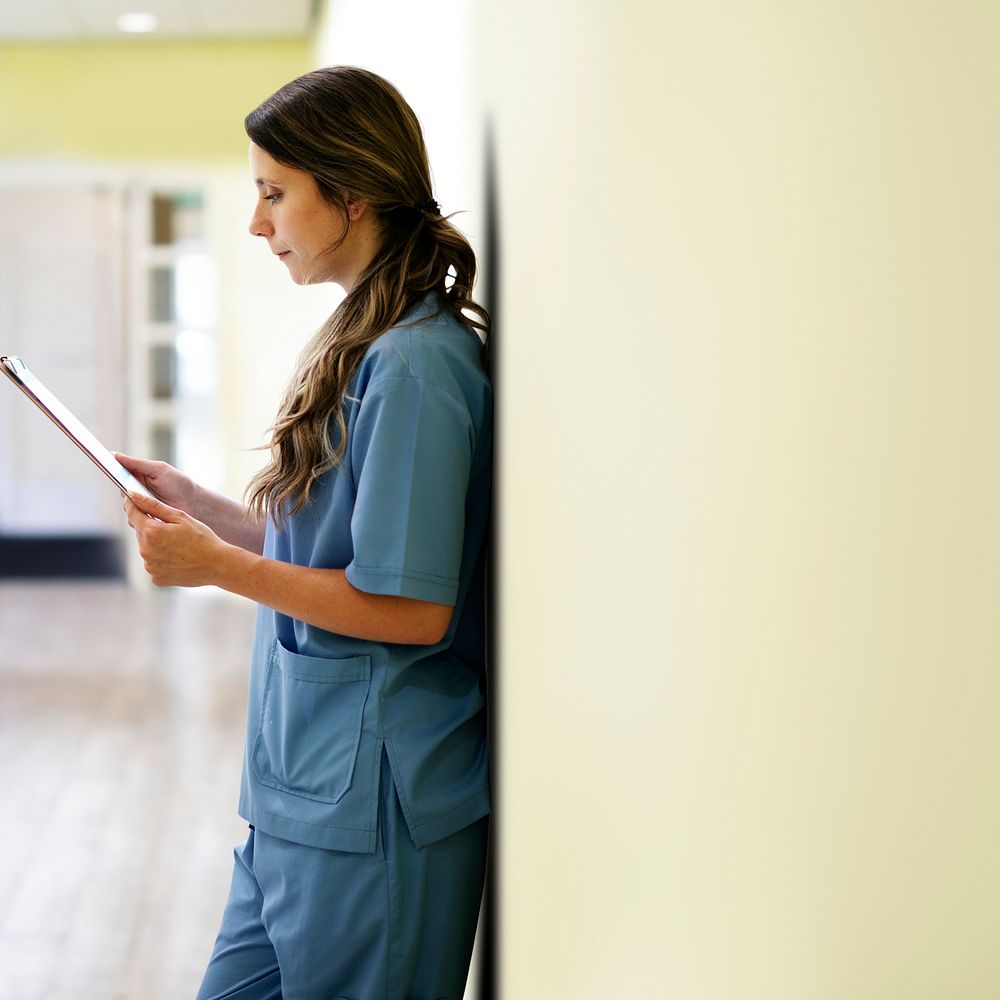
137	22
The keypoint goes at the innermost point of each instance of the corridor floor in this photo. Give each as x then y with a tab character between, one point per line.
121	735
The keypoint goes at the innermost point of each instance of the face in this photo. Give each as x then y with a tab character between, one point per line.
300	226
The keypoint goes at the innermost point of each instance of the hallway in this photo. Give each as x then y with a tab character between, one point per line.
121	733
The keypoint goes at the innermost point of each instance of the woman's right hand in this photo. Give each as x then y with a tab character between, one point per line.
164	481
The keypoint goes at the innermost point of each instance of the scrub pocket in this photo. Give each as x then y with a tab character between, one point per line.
310	723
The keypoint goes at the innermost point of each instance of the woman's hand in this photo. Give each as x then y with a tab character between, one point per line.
163	481
176	549
229	519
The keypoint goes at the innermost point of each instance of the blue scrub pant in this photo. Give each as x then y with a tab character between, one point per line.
304	923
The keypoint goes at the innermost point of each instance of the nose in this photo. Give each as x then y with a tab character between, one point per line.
259	224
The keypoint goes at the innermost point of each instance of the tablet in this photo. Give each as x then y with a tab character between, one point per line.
16	370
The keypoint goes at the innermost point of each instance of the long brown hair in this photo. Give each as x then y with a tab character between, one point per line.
353	132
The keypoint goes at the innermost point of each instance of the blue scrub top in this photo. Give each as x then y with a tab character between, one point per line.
406	514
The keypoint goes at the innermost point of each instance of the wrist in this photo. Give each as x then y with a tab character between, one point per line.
233	568
197	504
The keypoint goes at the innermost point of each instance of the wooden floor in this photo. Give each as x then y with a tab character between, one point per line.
121	735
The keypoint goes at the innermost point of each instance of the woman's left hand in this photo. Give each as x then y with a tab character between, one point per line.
177	550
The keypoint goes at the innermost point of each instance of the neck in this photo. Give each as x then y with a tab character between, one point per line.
366	243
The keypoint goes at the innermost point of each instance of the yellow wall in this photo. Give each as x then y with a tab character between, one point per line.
162	101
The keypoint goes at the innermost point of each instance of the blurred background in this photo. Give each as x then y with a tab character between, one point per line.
745	656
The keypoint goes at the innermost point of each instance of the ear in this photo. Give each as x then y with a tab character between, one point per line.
356	207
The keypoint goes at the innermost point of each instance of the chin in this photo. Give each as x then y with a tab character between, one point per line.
305	276
301	277
316	279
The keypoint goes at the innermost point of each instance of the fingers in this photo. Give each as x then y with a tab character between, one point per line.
143	470
135	517
131	460
156	508
143	466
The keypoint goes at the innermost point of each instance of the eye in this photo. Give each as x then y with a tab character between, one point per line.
272	197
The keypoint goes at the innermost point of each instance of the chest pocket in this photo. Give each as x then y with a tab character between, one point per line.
310	723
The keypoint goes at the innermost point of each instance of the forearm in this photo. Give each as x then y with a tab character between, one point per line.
325	598
230	520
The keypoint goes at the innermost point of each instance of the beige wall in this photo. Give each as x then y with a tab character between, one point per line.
747	494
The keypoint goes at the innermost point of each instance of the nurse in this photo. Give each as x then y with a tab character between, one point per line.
365	778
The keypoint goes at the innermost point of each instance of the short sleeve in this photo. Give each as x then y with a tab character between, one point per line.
411	455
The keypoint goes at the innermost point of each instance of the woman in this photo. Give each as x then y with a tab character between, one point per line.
363	541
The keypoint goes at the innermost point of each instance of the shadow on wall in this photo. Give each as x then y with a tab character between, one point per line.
488	985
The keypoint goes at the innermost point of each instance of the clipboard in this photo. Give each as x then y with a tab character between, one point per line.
19	373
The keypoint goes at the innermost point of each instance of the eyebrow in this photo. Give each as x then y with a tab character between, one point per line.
264	182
